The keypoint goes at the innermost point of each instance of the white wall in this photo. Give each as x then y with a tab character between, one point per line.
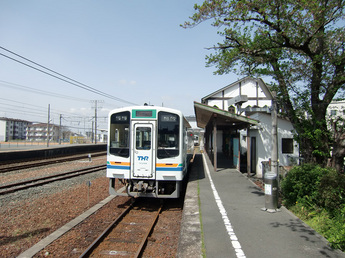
248	88
264	141
2	130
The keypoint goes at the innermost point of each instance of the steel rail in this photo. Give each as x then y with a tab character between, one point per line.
104	234
48	179
115	223
149	231
44	163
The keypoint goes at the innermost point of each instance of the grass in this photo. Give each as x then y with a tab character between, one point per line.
203	249
331	227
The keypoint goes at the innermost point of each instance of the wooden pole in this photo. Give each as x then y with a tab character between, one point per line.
215	142
249	156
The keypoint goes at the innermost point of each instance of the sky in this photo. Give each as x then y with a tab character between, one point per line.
133	51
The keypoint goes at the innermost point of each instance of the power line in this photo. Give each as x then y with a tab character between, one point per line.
43	92
38	108
64	78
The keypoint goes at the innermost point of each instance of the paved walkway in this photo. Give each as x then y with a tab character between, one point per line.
233	223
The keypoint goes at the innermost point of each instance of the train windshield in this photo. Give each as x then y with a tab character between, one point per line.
168	135
119	134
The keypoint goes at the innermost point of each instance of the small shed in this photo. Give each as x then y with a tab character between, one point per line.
214	120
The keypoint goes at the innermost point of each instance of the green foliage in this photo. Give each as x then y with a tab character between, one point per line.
317	196
332	191
299	45
336	233
332	228
301	183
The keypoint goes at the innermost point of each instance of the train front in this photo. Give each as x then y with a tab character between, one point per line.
146	152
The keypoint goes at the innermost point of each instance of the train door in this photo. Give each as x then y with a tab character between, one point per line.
236	148
143	154
253	155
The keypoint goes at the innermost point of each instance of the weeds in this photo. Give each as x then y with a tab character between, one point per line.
317	196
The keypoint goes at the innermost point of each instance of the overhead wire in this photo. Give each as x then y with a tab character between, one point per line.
37	91
64	78
36	107
40	111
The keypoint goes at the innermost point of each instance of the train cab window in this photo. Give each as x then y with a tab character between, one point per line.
143	138
168	135
119	134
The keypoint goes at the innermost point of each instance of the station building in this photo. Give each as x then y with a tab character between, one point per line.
238	125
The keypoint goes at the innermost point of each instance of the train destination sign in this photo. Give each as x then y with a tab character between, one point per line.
144	114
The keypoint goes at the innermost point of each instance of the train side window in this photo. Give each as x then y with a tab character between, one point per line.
168	135
119	134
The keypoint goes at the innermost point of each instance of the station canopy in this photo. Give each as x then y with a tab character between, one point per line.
205	114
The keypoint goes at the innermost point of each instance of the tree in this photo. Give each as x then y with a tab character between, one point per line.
338	150
298	44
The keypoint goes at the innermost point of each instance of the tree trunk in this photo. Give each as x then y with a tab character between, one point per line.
338	152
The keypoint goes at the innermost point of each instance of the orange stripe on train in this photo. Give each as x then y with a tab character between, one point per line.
166	165
119	163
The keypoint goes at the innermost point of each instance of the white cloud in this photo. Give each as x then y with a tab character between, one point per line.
126	82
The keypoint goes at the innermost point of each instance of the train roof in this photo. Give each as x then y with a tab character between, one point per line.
158	108
146	108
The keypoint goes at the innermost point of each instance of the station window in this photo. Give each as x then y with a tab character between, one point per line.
287	146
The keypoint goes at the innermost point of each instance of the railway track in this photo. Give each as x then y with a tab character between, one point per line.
128	234
25	165
10	188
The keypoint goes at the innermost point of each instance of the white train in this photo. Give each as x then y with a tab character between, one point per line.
147	151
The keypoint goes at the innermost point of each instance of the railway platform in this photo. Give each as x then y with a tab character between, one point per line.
223	217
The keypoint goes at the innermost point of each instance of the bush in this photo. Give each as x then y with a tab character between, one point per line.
300	183
332	192
317	196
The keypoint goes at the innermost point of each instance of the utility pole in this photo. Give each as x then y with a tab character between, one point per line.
271	179
95	121
274	161
60	131
92	132
95	134
48	125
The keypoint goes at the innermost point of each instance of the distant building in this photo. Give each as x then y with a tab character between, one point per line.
336	109
13	129
102	136
39	132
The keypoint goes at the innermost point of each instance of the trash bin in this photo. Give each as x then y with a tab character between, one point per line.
266	167
271	191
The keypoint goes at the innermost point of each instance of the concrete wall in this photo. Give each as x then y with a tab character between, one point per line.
51	152
2	130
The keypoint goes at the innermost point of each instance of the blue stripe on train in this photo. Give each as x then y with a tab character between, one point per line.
157	168
118	167
169	169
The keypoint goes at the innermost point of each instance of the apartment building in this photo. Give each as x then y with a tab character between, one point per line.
13	129
39	132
